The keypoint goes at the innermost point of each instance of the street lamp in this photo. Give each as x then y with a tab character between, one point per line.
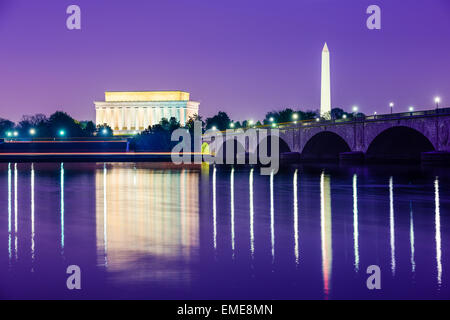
272	119
411	109
62	133
32	131
355	109
295	116
344	116
9	134
391	105
437	100
105	131
251	122
16	134
232	125
214	128
274	125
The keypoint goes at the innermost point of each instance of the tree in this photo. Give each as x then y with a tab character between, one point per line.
61	121
103	130
5	126
221	121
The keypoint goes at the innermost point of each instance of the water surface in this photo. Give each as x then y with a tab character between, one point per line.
152	231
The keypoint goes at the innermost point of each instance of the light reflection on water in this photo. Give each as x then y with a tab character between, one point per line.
150	227
146	213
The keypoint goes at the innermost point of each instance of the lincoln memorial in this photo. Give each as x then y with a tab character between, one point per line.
130	112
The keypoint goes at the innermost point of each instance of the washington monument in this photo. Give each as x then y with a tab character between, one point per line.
325	102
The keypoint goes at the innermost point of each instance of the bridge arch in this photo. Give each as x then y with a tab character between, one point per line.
399	143
283	145
325	145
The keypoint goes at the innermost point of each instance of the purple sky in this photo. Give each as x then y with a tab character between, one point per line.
245	57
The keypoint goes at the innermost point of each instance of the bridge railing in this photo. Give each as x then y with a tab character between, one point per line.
321	121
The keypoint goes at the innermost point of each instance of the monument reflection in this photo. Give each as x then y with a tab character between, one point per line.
147	222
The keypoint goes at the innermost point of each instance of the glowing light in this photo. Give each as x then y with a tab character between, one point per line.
252	216
411	238
251	122
296	237
344	116
411	109
272	217
438	231
105	131
32	131
232	125
105	215
16	210
326	231
295	116
274	125
214	128
215	207
233	243
16	134
355	109
32	215
9	134
317	119
62	206
355	222
391	104
392	224
437	99
272	119
9	210
62	133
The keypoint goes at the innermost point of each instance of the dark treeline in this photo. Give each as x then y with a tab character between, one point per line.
58	125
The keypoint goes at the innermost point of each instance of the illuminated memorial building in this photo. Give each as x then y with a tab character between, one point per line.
129	112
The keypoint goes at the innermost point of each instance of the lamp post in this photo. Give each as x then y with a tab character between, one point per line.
411	109
437	100
391	105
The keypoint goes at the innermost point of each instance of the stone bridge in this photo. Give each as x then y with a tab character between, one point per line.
404	136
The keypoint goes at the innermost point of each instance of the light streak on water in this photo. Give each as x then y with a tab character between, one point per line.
272	216
326	231
215	206
252	216
233	244
33	245
355	221
438	232
62	207
9	211
105	215
412	238
392	224
16	212
296	236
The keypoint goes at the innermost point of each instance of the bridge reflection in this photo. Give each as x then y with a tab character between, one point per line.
270	224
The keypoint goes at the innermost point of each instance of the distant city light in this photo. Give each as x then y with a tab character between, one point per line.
62	133
375	113
32	131
105	131
317	119
274	125
232	125
9	134
344	116
295	116
272	119
16	134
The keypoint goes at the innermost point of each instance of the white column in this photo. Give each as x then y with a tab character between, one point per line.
325	103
